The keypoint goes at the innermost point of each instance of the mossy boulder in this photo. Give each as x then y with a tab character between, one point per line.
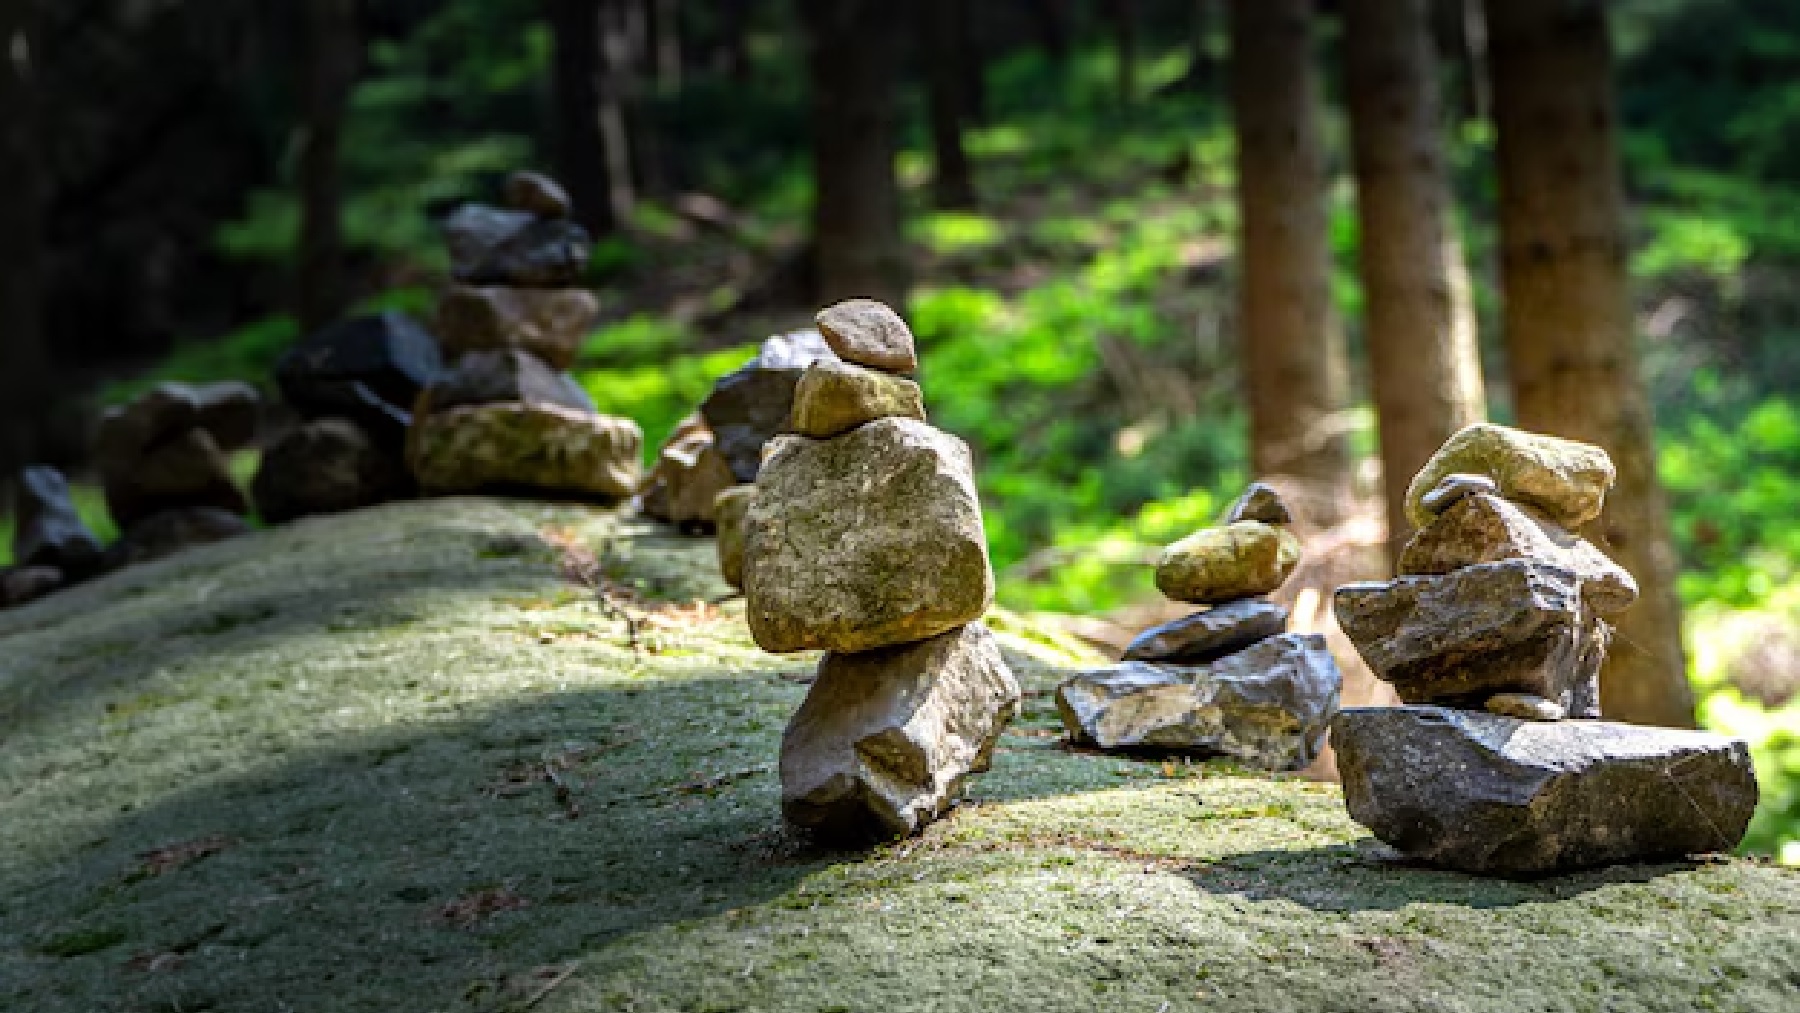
391	760
1565	479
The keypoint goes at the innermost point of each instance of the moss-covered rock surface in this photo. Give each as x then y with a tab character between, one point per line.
397	761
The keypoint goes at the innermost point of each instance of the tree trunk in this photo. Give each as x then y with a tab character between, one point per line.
856	211
665	45
946	86
333	53
576	82
1423	355
617	80
1293	348
1123	15
972	47
24	361
1052	23
1569	328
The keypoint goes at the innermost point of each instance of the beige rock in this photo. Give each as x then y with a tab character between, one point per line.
866	540
1567	480
1482	528
886	737
835	397
538	194
539	447
1216	565
688	476
868	333
550	323
731	510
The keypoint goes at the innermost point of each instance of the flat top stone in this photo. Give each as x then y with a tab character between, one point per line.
834	397
1566	479
871	334
1210	633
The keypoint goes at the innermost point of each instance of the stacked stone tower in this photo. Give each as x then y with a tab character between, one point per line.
865	540
1494	634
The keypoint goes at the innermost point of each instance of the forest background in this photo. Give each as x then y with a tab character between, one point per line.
208	174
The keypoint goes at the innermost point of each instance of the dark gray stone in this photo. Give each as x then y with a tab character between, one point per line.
506	376
1210	634
48	531
171	531
369	370
1496	795
1514	626
185	470
751	406
490	246
1262	503
322	467
20	585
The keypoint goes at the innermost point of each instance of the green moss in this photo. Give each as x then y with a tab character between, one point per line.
427	776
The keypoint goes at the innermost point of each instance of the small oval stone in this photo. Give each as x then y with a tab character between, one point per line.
1262	503
871	334
1217	565
1525	706
538	194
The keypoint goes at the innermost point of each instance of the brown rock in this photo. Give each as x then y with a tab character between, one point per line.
868	333
731	510
1483	528
550	323
1262	503
836	397
538	194
688	476
22	584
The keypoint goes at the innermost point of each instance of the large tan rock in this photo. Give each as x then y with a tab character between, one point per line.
1481	528
731	513
835	397
1222	564
550	323
869	539
1565	479
535	447
885	738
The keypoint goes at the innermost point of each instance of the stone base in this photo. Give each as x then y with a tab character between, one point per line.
1489	794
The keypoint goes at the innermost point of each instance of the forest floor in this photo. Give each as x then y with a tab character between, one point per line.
397	761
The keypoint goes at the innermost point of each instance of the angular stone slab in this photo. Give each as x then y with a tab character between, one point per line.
869	333
870	539
519	447
1209	634
752	405
550	323
490	246
506	376
885	738
1496	795
367	369
1222	564
731	513
1267	706
1262	503
325	467
49	532
1481	528
1565	479
1514	626
833	398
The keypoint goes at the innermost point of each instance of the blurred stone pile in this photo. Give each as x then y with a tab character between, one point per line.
1226	680
864	539
1494	634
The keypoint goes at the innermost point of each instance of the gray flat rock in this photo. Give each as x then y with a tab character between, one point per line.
1209	634
1483	528
752	405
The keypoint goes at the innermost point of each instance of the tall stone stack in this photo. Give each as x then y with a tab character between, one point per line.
1226	680
1493	634
864	540
507	416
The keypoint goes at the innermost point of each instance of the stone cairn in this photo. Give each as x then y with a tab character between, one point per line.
864	539
1493	634
1226	680
506	416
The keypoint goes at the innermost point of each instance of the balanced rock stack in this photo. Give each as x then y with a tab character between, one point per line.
864	539
353	385
1494	634
507	417
1225	680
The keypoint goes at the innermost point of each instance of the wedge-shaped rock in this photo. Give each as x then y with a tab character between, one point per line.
1489	794
186	470
885	738
866	540
49	532
1509	627
871	334
833	398
1215	565
1482	528
1268	705
1209	634
1565	479
731	511
753	405
324	467
20	585
550	323
525	448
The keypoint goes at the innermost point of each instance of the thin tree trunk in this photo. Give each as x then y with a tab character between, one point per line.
856	212
333	53
1293	347
24	360
1123	14
1569	328
665	44
576	81
617	81
946	84
1423	355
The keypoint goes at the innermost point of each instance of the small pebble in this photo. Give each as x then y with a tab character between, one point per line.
1525	706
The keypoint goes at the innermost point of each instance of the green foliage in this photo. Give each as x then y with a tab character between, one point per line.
659	393
1732	486
248	353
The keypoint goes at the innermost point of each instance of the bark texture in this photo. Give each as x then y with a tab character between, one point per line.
1293	349
1569	328
856	212
1423	355
333	55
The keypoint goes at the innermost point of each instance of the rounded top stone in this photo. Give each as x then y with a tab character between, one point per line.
869	333
538	194
1565	479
